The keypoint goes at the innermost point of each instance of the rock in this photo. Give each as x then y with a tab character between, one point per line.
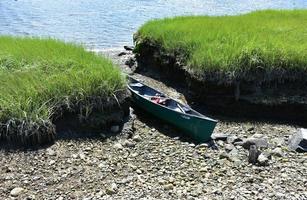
168	186
112	189
202	145
263	159
298	142
278	141
253	154
129	48
130	62
136	138
223	155
82	156
259	142
87	149
232	139
115	129
52	162
122	53
128	143
220	136
118	146
51	152
250	129
229	147
16	191
277	152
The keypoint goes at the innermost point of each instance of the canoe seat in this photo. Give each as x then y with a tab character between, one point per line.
160	100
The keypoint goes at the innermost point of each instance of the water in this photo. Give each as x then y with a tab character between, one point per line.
102	24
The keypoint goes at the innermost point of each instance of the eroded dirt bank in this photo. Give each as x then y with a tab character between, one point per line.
283	101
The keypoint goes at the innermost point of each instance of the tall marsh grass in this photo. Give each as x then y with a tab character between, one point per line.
41	77
260	46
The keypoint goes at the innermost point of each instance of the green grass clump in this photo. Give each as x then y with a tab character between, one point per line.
271	44
40	78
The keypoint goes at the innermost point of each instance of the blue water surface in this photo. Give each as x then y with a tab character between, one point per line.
102	24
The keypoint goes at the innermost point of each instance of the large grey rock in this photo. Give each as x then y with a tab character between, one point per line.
298	141
259	142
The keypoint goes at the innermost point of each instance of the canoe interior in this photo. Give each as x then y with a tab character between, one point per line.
148	92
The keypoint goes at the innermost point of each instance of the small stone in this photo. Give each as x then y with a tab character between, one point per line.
250	129
82	156
220	136
122	53
118	146
87	149
168	186
259	142
232	139
263	159
192	145
51	152
229	147
112	189
16	191
31	197
203	145
129	48
152	130
51	162
128	143
114	129
277	152
136	138
223	155
298	141
138	171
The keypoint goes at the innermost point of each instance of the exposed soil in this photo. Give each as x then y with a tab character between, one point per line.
104	113
285	101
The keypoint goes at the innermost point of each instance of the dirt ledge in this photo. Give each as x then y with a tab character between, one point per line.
102	114
278	100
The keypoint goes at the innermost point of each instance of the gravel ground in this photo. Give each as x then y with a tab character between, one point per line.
157	162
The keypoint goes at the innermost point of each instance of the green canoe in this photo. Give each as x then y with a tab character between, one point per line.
196	125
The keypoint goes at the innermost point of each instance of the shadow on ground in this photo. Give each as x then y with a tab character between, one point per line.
164	128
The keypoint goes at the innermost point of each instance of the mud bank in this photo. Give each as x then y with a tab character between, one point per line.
278	100
80	118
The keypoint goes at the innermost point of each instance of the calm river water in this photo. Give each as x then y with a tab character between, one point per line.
110	23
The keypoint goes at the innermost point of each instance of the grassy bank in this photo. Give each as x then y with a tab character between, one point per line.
263	46
42	78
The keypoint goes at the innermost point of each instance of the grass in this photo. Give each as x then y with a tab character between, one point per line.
39	78
260	46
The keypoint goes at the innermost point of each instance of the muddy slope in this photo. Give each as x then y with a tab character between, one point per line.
280	101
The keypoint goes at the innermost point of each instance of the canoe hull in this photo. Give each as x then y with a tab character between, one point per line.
200	129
